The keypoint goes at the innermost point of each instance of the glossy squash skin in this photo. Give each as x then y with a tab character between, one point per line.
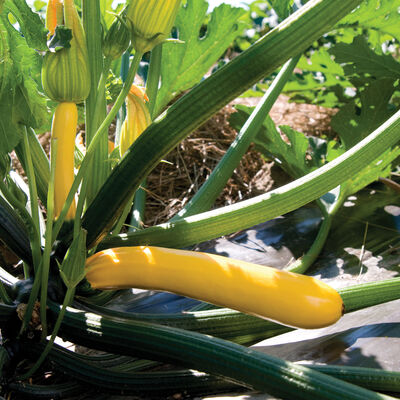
63	129
288	298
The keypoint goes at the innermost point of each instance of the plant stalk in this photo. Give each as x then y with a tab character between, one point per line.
212	187
95	104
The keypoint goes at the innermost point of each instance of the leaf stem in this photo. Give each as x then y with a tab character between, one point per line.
301	265
23	213
34	206
212	187
5	298
153	80
95	104
48	241
69	295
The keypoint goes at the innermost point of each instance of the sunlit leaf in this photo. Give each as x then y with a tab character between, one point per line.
30	23
185	64
363	63
355	121
382	16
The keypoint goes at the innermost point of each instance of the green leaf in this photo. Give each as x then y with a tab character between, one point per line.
29	105
31	25
6	63
321	81
325	90
354	123
282	7
20	99
378	15
291	157
321	61
363	63
39	4
185	64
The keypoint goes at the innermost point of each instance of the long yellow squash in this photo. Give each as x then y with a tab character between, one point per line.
288	298
63	129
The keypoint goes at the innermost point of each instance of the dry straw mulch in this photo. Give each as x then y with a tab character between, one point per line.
174	181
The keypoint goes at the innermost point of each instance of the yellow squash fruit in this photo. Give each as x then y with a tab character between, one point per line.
63	129
288	298
150	22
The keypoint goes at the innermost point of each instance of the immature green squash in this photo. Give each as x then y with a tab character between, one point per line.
117	39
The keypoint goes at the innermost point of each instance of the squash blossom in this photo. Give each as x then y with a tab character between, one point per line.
151	21
137	118
65	79
65	72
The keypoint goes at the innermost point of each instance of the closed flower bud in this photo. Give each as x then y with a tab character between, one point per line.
151	22
65	72
137	118
117	39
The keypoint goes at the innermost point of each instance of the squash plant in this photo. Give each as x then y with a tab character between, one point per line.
68	61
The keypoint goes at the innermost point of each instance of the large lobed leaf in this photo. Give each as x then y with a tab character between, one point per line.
382	16
353	123
30	24
362	62
21	102
185	63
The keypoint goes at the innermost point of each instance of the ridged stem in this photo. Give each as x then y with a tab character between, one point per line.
48	241
301	265
95	104
153	80
34	240
205	353
369	294
184	380
33	197
40	163
67	300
